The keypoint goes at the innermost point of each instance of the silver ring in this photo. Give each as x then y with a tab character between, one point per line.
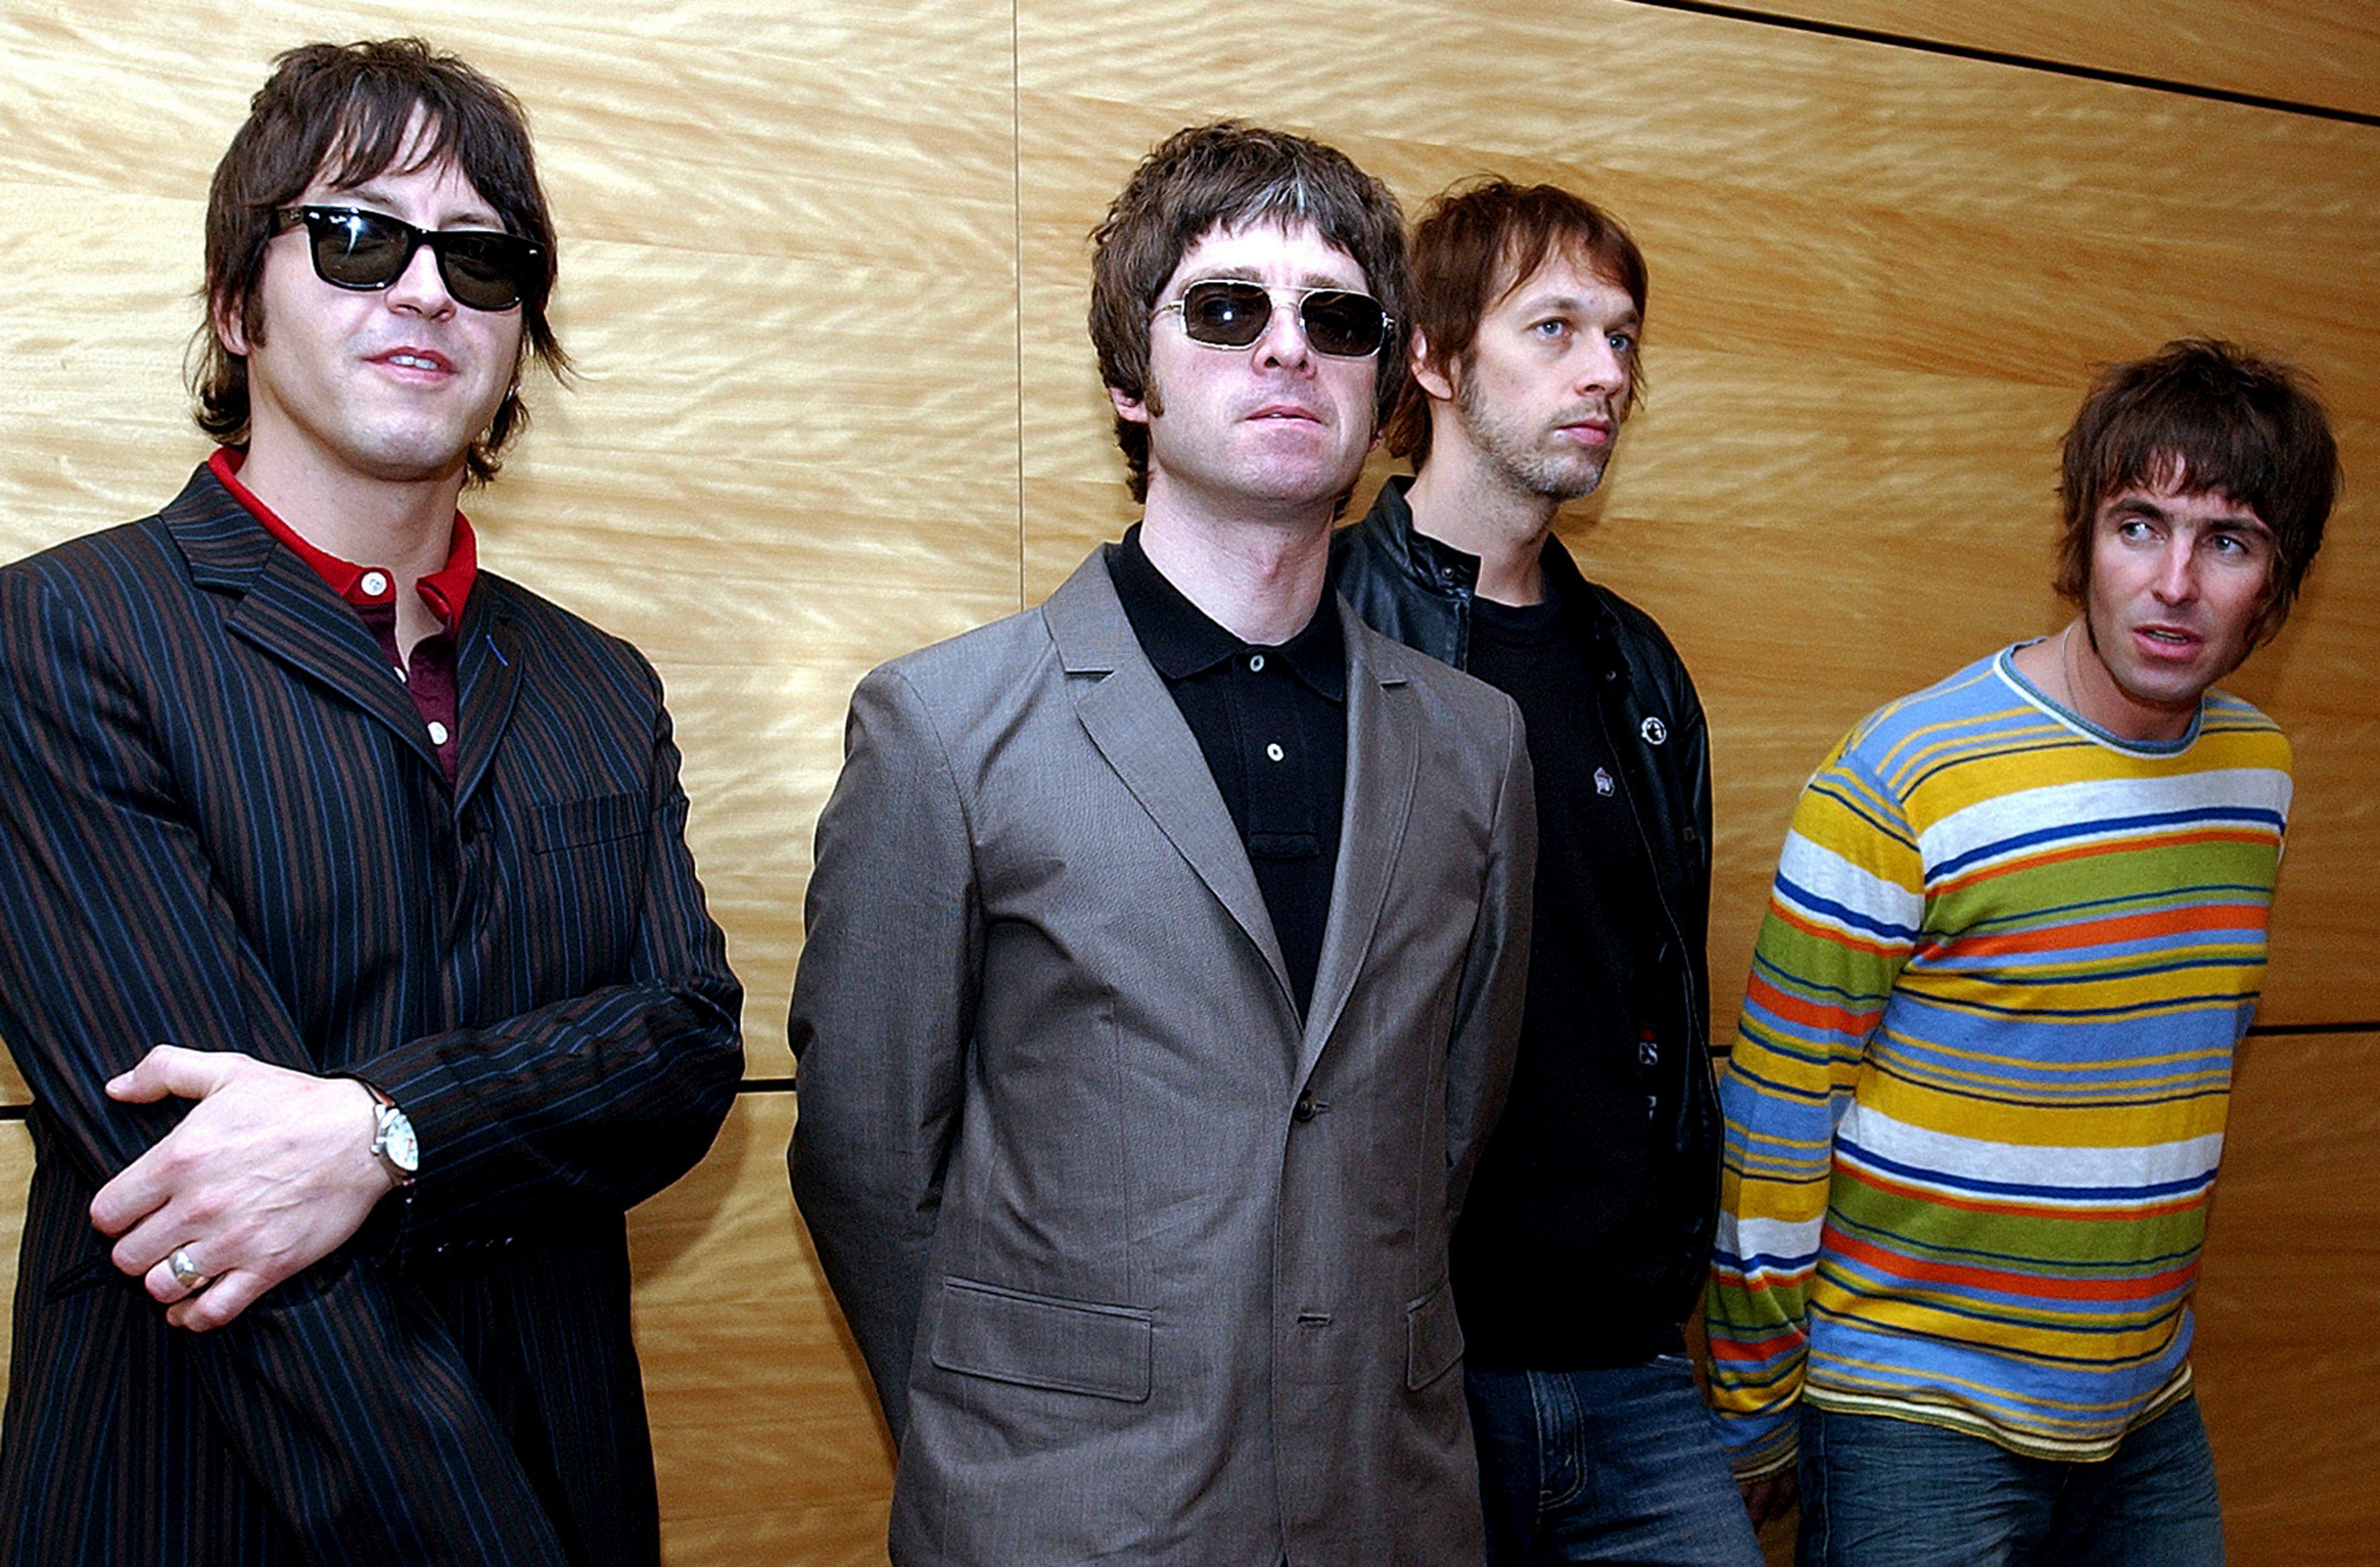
186	1272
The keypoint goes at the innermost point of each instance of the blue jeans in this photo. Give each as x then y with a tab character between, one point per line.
1615	1465
1880	1492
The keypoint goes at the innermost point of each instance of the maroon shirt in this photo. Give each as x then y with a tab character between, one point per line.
371	590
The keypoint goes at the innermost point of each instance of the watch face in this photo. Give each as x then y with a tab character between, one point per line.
397	1142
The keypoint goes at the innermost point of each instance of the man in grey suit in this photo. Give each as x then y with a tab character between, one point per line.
1165	956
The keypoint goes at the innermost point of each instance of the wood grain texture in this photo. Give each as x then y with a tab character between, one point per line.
2313	52
766	1436
2291	1275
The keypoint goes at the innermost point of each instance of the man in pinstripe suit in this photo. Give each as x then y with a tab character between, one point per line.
353	950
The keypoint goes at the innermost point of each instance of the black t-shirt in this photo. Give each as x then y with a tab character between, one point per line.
1562	1233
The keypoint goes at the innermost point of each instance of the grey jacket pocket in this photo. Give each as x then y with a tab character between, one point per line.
1040	1340
1433	1337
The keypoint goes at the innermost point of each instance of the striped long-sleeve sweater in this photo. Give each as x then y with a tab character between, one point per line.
1976	1100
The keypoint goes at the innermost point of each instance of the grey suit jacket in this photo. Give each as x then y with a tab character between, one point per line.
1147	1270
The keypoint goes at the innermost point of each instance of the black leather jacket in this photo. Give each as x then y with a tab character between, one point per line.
1419	590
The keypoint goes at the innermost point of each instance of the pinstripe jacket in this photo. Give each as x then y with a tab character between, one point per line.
225	827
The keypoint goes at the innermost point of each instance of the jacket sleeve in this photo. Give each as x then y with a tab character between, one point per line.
882	1016
1487	1030
592	1102
1842	918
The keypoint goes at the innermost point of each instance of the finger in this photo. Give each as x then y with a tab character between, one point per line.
169	1068
167	1287
137	1190
220	1302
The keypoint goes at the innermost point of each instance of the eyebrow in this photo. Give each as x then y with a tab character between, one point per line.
1244	274
1571	305
478	214
2241	520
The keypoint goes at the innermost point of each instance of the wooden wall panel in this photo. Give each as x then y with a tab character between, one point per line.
767	1441
2291	1278
2312	52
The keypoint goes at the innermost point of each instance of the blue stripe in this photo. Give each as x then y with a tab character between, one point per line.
2105	826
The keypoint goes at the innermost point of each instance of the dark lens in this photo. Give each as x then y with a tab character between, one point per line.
358	250
1229	315
483	270
1340	323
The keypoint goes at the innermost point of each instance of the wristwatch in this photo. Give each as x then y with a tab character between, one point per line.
393	1141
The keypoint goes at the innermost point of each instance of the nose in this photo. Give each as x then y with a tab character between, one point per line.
1604	372
2177	571
420	287
1284	342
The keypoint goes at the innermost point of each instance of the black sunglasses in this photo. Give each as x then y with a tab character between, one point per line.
1232	313
485	268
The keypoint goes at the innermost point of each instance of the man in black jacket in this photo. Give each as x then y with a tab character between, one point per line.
1583	1247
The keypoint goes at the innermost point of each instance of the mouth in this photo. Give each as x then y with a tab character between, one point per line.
2162	640
1293	411
1587	427
414	361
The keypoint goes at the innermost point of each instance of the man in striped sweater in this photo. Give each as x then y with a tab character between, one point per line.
1976	1102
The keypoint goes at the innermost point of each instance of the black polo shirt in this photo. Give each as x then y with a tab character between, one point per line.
1272	724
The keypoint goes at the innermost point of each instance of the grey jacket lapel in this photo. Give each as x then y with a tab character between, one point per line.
1383	761
1131	718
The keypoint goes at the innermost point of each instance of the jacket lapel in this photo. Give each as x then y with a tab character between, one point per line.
1383	762
489	657
1130	715
286	610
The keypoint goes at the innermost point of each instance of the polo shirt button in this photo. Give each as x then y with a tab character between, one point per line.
1274	751
1255	663
437	733
375	582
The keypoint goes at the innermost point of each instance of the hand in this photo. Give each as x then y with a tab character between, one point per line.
1770	1497
268	1173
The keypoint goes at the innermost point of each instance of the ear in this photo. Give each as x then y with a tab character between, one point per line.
1431	379
1130	409
230	329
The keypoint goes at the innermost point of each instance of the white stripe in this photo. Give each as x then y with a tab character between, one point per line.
1972	1159
1768	1237
1825	874
2005	816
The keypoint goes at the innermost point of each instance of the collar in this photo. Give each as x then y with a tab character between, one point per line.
1391	523
1432	560
1182	640
444	591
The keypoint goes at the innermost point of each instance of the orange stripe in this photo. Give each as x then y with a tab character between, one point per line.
1808	1014
1900	1266
1749	1350
2127	927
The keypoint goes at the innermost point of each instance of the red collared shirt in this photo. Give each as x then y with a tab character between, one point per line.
429	678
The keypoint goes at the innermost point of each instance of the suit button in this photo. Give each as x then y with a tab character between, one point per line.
1308	1108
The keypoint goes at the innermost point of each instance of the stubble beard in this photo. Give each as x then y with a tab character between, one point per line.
1523	458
